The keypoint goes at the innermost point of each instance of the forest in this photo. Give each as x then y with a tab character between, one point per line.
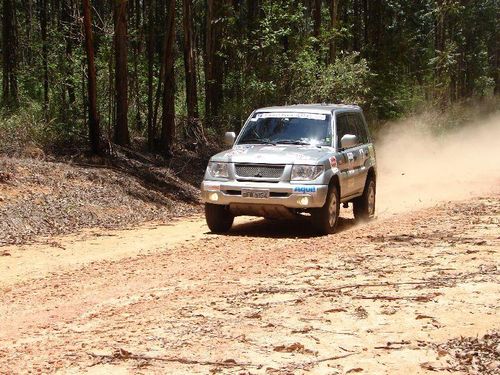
163	74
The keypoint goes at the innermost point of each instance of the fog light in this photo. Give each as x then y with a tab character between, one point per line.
303	201
214	197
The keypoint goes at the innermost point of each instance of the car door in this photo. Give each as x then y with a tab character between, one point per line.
361	151
348	158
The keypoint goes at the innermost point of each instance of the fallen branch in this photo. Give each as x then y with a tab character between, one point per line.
438	282
316	361
390	345
124	354
349	286
331	358
424	298
374	285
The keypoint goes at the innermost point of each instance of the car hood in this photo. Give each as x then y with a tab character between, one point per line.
269	154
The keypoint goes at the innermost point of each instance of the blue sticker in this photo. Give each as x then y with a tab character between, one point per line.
304	189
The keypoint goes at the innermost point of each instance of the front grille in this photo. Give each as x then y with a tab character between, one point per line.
259	170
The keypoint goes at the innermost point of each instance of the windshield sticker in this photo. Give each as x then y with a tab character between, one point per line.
304	189
309	116
236	151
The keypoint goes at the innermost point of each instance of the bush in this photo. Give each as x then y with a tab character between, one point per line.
26	127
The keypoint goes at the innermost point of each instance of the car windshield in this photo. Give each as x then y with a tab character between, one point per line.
288	128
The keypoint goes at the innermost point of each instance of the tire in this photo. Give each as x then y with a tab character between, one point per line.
325	219
364	206
219	219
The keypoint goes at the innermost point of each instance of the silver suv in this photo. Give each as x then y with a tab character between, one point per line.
293	160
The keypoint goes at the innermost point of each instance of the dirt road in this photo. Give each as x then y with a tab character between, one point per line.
267	298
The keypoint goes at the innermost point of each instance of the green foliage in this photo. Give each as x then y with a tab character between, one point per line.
344	81
392	58
27	127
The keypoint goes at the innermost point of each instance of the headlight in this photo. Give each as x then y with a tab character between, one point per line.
306	172
218	170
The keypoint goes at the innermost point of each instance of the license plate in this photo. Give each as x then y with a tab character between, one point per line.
260	194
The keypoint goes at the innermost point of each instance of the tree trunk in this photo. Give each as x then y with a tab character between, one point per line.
365	22
94	130
45	58
252	13
29	31
111	96
317	25
168	114
121	73
150	57
334	11
439	47
190	70
213	62
66	18
494	54
9	78
136	7
356	25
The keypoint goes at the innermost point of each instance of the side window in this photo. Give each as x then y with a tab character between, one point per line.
360	125
353	127
365	128
342	128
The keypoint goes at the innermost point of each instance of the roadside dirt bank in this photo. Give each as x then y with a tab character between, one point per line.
266	298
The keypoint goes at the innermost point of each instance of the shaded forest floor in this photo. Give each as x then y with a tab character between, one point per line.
40	198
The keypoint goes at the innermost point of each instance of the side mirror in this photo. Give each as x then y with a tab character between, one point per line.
348	141
229	138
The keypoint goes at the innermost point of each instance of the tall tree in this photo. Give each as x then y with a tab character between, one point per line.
29	31
9	57
334	14
168	114
150	62
317	25
45	56
243	54
68	28
214	64
252	12
137	44
94	130
121	73
494	57
190	67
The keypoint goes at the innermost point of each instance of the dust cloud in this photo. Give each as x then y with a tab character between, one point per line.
418	169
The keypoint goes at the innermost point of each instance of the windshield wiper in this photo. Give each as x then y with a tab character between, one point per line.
292	142
258	141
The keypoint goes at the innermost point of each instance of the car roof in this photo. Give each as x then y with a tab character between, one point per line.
318	108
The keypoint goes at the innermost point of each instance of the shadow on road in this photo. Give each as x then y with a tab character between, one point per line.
299	228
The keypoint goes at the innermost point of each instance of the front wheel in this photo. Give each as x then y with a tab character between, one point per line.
325	218
364	206
218	218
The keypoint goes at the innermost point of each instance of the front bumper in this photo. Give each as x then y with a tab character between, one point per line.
286	194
